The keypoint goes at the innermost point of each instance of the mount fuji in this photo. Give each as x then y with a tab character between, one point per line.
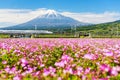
49	20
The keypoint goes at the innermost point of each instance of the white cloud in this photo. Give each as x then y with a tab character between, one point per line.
9	17
93	17
15	16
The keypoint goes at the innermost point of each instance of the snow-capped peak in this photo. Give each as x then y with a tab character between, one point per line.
52	13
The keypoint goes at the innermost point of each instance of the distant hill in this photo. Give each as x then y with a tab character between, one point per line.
50	20
103	26
105	29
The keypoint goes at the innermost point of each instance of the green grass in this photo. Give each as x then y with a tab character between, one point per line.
56	36
64	36
4	36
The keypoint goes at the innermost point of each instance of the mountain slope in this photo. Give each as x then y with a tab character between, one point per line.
51	19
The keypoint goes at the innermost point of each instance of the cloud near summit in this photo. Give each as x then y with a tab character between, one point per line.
94	18
9	17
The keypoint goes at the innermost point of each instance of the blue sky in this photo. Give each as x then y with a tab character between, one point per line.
96	6
13	12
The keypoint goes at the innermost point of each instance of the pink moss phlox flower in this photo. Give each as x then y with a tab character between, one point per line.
49	71
114	71
46	72
42	65
79	71
16	51
94	79
13	70
68	70
29	70
59	78
52	69
36	73
83	77
4	62
77	55
103	79
67	58
24	62
90	56
17	78
60	64
0	71
105	67
7	69
117	68
116	61
87	71
108	54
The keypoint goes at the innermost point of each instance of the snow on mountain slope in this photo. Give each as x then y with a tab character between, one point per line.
49	19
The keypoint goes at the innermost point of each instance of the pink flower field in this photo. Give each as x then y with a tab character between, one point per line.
60	59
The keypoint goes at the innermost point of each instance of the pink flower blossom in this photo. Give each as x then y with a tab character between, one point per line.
60	64
67	58
7	69
4	62
17	78
90	56
103	79
105	67
87	70
108	54
24	62
46	72
49	71
114	71
68	70
59	78
79	70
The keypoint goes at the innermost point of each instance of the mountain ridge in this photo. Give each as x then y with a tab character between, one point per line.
50	19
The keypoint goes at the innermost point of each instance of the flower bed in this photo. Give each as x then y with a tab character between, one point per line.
60	59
